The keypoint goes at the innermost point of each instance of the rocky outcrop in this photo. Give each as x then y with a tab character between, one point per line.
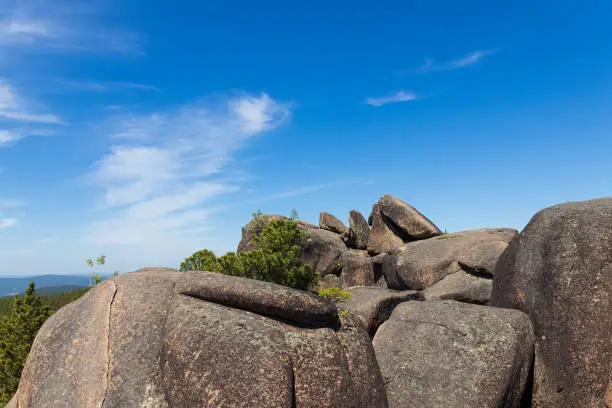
559	272
454	355
167	339
357	270
331	223
359	231
461	286
410	223
418	265
382	238
304	225
322	250
374	305
254	228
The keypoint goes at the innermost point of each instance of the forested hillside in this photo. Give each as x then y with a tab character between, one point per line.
53	301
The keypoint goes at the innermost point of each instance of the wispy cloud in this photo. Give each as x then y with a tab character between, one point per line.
62	25
464	61
162	176
7	222
305	190
399	96
14	108
104	86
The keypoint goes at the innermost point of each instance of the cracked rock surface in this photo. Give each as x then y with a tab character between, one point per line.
454	355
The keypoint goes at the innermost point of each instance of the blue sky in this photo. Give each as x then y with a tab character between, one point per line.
148	130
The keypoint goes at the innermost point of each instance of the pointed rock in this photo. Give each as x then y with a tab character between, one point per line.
331	223
412	225
382	238
358	230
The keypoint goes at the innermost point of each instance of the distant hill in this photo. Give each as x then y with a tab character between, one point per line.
12	285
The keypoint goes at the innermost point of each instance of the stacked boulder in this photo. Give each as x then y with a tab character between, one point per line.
403	250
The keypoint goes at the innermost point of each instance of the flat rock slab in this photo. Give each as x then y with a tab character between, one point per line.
263	298
461	286
559	272
148	339
418	265
454	355
374	304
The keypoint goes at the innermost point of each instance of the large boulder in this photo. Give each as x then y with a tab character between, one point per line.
419	264
359	230
167	339
454	355
374	305
382	238
410	223
331	223
559	272
461	286
322	250
357	270
254	228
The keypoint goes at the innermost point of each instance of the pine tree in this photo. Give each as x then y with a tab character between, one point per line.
17	334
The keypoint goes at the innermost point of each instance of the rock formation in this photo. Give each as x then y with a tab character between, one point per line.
168	339
426	320
331	223
417	265
359	231
559	272
411	224
382	238
454	355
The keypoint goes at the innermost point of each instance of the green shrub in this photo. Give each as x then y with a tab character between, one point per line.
276	258
335	294
203	260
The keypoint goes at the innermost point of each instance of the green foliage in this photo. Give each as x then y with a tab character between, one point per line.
203	260
276	257
17	334
343	313
335	294
53	301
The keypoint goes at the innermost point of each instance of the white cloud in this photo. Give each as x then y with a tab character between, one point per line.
8	137
399	96
7	222
15	109
64	26
162	177
464	61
